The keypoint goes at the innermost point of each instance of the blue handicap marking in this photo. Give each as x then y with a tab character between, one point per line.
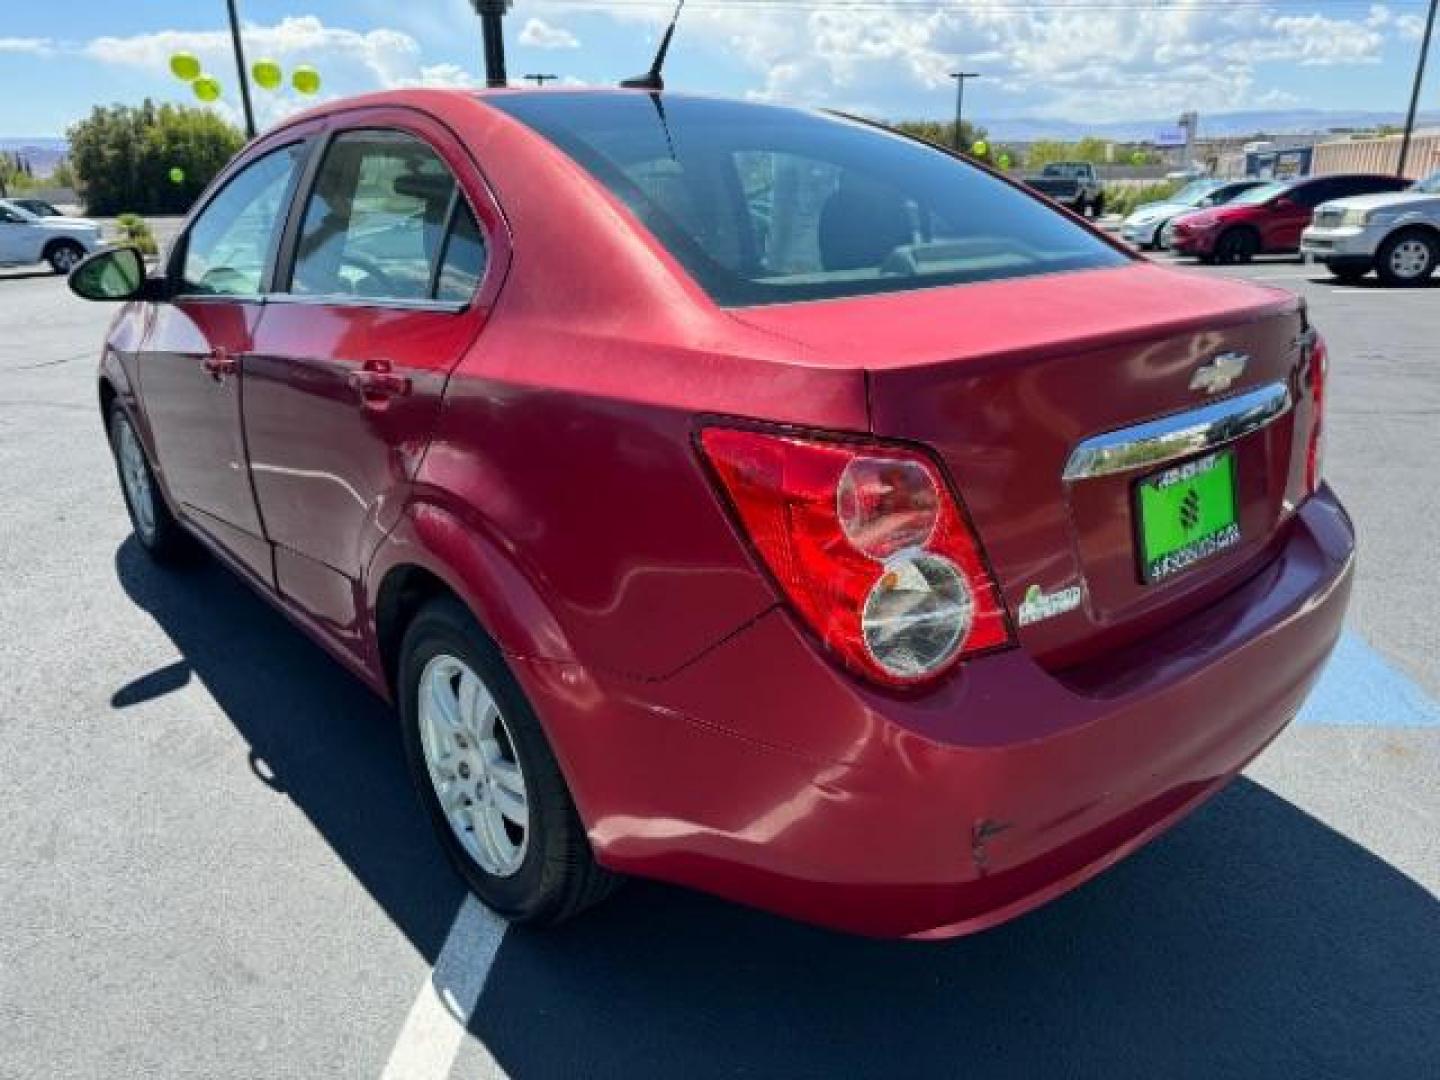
1360	688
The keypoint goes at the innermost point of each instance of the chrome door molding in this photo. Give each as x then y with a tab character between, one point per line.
1156	442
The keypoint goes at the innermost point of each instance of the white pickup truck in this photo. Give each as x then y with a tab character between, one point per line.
62	242
1396	234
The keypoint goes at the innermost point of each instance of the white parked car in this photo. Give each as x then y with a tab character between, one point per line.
1396	234
62	242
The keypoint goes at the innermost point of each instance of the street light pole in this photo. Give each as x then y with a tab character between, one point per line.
241	71
1415	92
492	13
960	77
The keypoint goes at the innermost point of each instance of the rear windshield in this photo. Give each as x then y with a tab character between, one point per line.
767	205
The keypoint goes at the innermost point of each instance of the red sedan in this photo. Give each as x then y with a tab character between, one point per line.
738	496
1269	219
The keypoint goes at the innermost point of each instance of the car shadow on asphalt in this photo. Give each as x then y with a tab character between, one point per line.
1252	940
315	733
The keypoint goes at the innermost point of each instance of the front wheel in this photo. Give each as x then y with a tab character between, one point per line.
1236	246
64	256
155	527
1407	258
487	776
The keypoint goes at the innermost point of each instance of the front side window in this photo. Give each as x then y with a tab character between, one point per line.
386	221
229	245
768	205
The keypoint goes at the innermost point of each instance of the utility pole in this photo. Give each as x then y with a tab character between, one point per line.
241	70
541	80
960	77
1415	93
492	14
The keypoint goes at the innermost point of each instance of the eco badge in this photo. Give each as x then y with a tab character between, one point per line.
1039	604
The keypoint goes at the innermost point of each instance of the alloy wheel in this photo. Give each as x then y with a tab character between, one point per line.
473	765
135	477
1410	259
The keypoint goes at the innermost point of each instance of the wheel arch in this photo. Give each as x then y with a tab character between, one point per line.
438	549
1418	225
58	241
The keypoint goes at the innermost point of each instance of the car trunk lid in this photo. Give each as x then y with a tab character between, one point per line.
1012	382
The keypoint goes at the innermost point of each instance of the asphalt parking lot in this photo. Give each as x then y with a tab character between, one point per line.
213	865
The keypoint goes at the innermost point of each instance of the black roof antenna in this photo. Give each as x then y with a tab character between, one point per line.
653	80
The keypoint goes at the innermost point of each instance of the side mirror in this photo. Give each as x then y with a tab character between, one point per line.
116	274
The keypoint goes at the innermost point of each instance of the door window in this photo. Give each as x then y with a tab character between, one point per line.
386	221
230	243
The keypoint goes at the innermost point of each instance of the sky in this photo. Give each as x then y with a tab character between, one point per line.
1075	60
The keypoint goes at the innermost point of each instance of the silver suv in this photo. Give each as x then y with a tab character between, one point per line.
1396	234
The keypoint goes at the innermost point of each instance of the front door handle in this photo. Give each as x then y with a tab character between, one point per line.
376	384
219	364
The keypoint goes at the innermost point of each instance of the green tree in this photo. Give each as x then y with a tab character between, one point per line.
122	156
942	132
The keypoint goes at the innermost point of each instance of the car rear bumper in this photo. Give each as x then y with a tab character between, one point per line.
763	774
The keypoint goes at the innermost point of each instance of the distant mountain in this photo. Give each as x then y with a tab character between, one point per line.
42	152
1212	125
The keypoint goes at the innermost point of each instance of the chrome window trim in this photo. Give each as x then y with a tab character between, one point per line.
1156	442
344	300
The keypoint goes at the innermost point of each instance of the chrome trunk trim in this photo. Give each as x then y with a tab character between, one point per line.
1156	442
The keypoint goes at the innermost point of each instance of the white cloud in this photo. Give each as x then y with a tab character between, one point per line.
539	34
31	46
1068	60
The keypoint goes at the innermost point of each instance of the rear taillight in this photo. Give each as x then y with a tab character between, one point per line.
869	546
1317	373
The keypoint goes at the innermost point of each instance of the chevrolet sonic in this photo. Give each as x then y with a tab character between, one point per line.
748	498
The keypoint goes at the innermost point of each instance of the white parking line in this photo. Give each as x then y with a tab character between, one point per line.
436	1026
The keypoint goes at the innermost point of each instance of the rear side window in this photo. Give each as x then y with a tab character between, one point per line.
386	221
768	205
228	247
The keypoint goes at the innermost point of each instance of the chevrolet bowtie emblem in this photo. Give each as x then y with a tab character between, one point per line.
1219	373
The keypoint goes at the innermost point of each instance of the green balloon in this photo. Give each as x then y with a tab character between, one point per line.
207	88
306	79
981	148
177	175
267	74
185	66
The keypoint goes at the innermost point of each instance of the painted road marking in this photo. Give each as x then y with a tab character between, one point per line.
1360	688
438	1020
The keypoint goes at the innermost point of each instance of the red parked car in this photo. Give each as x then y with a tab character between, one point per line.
1269	219
743	497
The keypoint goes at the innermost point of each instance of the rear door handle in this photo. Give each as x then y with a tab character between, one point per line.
376	384
219	364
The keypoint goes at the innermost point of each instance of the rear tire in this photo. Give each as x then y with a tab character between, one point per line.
1097	207
1407	258
64	256
487	777
1237	246
162	537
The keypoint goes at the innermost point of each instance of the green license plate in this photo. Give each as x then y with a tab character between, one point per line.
1185	515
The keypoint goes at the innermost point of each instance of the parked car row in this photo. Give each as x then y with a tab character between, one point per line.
1353	224
1146	226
